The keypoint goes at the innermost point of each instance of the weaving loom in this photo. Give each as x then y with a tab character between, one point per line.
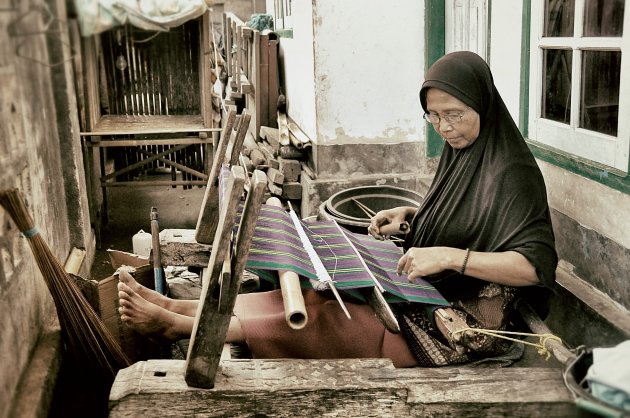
276	245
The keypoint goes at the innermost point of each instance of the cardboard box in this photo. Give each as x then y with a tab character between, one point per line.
136	346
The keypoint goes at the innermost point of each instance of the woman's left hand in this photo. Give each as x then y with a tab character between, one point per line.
418	262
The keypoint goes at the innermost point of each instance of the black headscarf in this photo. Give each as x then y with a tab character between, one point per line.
489	196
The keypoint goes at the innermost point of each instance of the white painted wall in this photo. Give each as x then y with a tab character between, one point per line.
369	65
353	70
505	51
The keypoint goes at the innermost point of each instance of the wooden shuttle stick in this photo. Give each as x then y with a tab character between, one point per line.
320	270
294	307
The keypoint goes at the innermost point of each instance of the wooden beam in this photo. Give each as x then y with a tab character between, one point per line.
208	214
208	336
341	388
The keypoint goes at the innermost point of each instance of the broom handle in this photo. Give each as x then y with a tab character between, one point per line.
158	272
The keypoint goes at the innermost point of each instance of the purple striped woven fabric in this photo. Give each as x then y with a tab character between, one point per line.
277	246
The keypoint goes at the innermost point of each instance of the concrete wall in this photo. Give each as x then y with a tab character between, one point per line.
38	145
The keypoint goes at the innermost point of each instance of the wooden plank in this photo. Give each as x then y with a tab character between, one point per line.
237	145
90	51
227	35
147	142
273	89
153	124
246	231
262	90
210	327
340	388
205	69
152	183
258	84
207	220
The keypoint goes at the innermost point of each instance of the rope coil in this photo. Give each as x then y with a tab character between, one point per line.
541	346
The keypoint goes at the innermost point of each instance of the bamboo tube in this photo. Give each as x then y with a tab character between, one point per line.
294	307
74	261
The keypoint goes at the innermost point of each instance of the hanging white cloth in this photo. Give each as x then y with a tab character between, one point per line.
96	16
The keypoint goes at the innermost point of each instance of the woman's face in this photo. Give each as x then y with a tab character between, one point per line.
464	127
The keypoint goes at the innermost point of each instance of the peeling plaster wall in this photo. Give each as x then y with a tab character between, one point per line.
369	66
599	207
592	230
37	156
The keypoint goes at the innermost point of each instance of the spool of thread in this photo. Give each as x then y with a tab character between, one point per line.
141	242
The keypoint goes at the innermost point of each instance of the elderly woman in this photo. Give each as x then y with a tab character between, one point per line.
483	229
481	236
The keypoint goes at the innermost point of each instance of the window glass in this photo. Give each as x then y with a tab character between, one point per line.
559	18
556	103
603	18
599	110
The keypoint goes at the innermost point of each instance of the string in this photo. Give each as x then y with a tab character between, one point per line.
319	239
30	233
541	346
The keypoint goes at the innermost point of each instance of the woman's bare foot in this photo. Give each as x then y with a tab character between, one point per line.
150	319
183	307
146	293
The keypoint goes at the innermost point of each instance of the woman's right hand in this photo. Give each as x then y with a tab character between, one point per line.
391	221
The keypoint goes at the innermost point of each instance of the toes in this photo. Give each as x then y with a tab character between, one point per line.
125	277
123	287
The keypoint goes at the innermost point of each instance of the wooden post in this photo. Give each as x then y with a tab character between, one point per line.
207	221
218	296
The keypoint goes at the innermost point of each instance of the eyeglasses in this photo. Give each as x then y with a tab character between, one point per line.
451	118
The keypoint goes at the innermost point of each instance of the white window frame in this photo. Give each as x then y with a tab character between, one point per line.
600	148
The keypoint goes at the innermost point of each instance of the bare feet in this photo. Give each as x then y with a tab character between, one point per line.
146	293
183	307
150	319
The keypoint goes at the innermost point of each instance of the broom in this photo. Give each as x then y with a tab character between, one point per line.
84	334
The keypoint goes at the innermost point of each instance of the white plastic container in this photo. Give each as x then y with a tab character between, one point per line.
142	243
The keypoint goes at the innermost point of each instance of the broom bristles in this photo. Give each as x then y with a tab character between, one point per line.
83	332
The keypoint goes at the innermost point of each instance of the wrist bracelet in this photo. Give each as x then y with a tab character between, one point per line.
463	268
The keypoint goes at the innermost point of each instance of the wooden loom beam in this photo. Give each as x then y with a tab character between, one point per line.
219	292
207	221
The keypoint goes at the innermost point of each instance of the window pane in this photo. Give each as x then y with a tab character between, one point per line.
559	17
599	110
556	103
603	18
